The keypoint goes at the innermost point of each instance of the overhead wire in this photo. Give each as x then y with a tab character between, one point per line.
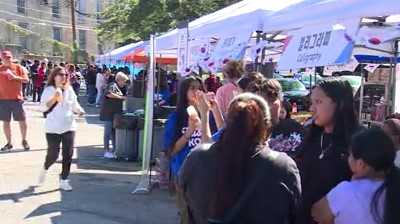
59	15
47	21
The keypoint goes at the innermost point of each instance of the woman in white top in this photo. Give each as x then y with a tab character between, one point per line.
101	83
373	194
61	104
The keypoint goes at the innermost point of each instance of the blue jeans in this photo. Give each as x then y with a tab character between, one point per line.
92	94
109	134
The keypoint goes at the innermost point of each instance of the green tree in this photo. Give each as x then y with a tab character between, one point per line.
133	20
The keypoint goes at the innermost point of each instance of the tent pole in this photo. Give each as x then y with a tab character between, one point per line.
361	97
394	78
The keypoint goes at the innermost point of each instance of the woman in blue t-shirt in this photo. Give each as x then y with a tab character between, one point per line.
183	132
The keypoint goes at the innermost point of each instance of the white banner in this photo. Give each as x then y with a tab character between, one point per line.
182	52
318	46
371	67
350	66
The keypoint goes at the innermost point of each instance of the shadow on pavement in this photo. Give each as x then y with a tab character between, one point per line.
29	192
21	151
105	198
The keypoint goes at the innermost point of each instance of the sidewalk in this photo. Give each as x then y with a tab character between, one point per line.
102	188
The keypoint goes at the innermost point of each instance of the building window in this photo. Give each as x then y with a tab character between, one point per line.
56	8
23	39
57	33
82	39
99	9
81	9
21	6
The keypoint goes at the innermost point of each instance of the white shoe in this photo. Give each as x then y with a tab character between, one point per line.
109	155
42	177
106	155
64	185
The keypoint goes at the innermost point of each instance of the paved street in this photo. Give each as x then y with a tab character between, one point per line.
102	188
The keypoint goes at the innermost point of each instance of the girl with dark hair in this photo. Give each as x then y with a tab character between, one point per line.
227	182
60	103
182	132
324	151
373	194
74	78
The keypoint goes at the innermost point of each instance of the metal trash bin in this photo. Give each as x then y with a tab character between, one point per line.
126	137
157	144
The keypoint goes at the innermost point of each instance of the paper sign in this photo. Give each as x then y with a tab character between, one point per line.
317	46
182	50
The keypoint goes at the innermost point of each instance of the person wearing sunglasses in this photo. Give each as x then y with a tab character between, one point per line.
61	104
12	76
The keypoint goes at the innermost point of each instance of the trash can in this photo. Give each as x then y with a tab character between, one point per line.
158	131
126	137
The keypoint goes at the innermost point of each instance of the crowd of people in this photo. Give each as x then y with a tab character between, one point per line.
236	153
238	156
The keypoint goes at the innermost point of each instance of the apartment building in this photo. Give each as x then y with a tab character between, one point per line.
43	27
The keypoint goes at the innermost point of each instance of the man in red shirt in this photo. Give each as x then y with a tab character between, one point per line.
12	76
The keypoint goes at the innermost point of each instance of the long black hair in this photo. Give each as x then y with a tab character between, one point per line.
376	149
345	116
247	128
183	103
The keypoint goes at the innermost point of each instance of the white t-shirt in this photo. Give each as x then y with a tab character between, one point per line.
61	119
350	202
100	81
397	160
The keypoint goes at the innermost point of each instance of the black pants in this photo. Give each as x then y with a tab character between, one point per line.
37	91
53	142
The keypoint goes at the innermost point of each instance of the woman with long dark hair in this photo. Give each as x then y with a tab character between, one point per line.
239	179
61	104
182	132
373	194
324	151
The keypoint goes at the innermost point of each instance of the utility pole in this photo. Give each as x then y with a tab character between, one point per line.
74	44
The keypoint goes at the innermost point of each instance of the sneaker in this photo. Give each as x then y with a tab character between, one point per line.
26	145
42	176
7	147
108	155
65	186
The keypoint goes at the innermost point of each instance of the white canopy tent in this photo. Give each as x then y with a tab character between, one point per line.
309	12
243	18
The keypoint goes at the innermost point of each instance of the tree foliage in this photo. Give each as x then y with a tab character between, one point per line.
133	20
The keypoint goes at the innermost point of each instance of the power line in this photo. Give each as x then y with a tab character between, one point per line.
60	15
47	21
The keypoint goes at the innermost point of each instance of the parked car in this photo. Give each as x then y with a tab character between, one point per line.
308	80
295	92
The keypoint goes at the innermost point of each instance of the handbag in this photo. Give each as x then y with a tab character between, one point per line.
50	109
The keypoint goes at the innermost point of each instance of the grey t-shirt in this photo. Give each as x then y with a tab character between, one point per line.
273	201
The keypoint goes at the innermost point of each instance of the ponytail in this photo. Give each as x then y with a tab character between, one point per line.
391	212
392	199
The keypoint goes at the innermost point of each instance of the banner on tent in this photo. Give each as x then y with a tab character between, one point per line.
350	66
182	64
211	53
317	46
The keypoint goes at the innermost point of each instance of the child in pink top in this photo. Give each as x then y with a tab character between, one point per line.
232	71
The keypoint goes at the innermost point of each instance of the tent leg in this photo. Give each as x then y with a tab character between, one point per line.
395	104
